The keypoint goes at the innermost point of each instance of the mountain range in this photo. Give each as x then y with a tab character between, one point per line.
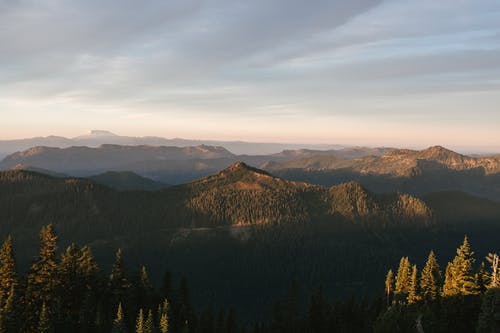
380	170
96	138
168	164
410	171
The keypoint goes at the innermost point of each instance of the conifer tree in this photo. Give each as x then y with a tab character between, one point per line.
163	325
118	283
449	283
430	278
460	278
389	286
145	289
163	311
413	293
43	277
402	279
8	273
119	321
483	278
139	322
9	313
149	326
44	323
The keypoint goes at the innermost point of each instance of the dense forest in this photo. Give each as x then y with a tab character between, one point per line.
246	242
68	292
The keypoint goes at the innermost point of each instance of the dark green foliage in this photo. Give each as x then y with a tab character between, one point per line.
10	313
489	318
8	273
45	324
43	278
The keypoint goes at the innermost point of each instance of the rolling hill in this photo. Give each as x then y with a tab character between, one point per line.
127	181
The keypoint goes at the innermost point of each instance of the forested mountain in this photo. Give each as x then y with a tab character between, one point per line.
168	164
416	172
127	181
241	236
409	171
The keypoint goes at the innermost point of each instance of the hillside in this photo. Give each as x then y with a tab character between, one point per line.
415	172
230	231
167	164
148	161
127	181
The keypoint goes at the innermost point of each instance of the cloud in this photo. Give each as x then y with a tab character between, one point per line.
247	59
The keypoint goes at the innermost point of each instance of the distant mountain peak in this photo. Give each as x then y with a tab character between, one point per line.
438	153
243	167
101	133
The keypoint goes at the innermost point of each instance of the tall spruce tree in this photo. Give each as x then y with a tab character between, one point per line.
10	314
163	324
119	321
45	323
149	324
43	278
118	282
402	280
139	322
413	293
460	277
389	286
430	278
163	313
8	272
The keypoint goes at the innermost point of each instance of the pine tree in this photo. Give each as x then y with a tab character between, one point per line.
9	313
145	289
389	286
149	326
118	283
449	283
163	323
163	311
8	273
44	322
119	321
403	279
139	323
42	278
460	278
483	278
413	294
430	278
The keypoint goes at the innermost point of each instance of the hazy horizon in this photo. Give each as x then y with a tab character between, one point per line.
307	145
370	73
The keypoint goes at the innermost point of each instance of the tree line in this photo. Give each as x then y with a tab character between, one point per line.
463	298
70	293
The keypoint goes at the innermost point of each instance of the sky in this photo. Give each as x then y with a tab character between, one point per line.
368	72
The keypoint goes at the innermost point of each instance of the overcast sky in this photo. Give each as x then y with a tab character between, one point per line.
396	72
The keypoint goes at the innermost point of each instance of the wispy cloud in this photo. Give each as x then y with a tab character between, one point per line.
280	62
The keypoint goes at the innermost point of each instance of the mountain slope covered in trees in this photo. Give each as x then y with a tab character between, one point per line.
241	234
